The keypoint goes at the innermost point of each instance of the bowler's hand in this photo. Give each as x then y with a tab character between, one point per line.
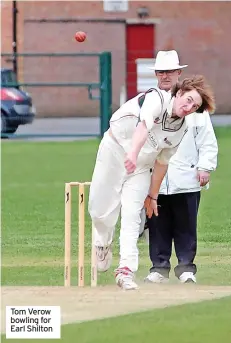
130	163
151	207
203	177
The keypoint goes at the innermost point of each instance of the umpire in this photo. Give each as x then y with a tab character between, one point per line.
188	172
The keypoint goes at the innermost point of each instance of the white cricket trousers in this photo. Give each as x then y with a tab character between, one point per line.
112	190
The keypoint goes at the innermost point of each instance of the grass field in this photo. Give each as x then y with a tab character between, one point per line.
33	177
206	322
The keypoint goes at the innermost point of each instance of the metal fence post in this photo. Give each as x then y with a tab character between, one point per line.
105	91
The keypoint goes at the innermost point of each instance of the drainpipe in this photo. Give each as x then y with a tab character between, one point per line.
14	35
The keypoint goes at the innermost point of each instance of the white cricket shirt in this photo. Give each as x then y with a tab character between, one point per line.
165	133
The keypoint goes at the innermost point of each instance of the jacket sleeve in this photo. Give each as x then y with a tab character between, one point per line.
207	147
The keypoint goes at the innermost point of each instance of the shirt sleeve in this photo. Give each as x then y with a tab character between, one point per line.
207	146
165	154
151	109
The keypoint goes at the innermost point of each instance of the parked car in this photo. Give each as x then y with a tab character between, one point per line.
16	104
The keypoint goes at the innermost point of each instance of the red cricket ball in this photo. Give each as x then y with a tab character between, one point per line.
80	36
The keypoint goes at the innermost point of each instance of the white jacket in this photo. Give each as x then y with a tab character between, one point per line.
197	151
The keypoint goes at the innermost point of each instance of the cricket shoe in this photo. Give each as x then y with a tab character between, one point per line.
125	279
104	257
187	277
155	277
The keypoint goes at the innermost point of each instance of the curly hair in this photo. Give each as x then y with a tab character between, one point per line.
198	83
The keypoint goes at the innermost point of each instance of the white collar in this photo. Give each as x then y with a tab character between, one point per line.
170	106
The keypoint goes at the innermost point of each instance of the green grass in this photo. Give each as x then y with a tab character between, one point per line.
33	177
191	323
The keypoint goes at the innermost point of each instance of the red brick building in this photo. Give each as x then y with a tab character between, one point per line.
199	31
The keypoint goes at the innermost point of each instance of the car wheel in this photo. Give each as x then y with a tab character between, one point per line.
12	129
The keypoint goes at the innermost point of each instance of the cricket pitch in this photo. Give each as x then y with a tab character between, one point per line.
83	304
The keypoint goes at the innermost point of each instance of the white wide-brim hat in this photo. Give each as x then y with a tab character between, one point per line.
167	60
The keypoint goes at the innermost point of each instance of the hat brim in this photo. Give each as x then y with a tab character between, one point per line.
163	69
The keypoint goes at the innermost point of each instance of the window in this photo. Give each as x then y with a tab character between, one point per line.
8	78
115	5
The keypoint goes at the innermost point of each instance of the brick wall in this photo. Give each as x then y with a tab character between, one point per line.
6	25
199	31
7	32
72	101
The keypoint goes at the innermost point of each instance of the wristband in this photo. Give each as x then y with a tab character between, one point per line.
152	198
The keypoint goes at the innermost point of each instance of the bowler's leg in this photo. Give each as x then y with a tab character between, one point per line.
134	192
105	196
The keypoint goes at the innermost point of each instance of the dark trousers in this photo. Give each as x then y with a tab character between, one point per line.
177	222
